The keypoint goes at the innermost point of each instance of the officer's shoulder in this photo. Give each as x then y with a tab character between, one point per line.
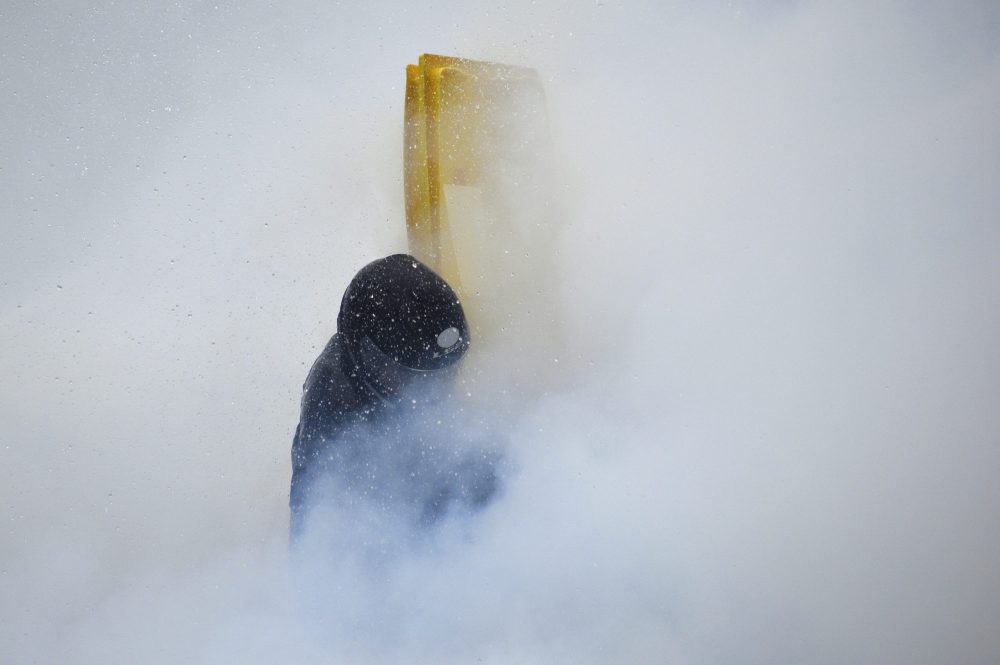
327	387
326	363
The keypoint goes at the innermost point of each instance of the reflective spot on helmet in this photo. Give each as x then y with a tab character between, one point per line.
448	337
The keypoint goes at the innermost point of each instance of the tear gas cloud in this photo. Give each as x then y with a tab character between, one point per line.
777	267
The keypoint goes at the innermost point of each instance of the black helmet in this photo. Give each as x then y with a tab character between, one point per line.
399	319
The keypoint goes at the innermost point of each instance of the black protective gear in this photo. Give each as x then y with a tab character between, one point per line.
407	311
400	329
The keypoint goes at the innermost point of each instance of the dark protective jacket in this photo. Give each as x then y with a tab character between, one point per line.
379	427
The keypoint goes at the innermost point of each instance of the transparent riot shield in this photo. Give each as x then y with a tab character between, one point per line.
480	202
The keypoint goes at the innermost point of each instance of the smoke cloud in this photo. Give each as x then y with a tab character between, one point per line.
778	439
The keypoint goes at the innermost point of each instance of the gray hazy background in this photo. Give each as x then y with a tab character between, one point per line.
780	269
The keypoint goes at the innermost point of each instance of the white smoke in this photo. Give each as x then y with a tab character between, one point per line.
778	269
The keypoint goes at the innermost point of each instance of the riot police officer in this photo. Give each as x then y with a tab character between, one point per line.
376	429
